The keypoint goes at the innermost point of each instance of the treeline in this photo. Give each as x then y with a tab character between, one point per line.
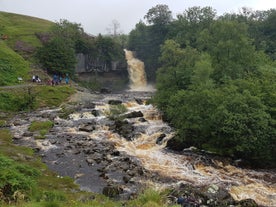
65	39
215	77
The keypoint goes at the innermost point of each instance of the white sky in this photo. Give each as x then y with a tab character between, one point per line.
96	16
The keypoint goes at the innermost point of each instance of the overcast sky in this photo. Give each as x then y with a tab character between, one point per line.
96	16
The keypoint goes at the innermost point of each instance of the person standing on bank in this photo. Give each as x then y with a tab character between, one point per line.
67	78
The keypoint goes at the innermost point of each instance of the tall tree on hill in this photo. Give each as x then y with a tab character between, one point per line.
72	32
57	56
188	25
159	15
232	51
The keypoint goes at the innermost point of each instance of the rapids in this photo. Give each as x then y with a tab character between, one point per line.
190	167
67	150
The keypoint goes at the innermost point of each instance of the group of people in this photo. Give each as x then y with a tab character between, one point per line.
36	79
56	80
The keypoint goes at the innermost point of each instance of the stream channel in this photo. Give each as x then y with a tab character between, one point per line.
98	151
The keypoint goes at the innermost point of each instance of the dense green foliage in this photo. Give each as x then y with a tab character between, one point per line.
57	56
216	83
108	49
215	78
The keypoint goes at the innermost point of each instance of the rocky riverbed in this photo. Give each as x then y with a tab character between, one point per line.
94	149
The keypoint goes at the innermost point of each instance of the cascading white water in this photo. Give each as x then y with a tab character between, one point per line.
241	183
136	71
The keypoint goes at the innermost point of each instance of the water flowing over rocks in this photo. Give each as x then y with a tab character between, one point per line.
92	160
118	157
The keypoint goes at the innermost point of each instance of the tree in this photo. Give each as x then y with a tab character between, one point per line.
114	28
147	47
186	29
57	56
72	32
232	51
269	32
146	39
159	15
108	50
213	86
176	71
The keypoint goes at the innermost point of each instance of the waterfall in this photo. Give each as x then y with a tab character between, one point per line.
136	71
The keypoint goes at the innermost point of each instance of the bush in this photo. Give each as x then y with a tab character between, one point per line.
42	127
15	178
116	110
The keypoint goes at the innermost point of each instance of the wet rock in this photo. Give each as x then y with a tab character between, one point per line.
87	128
125	129
105	90
115	153
28	134
159	140
48	115
139	101
89	105
133	114
175	144
142	119
52	141
217	195
95	112
126	178
246	203
115	102
212	195
90	161
18	122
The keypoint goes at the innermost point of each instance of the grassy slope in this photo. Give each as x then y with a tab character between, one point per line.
17	28
21	27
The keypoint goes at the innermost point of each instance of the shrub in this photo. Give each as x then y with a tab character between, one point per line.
42	127
15	178
2	123
116	110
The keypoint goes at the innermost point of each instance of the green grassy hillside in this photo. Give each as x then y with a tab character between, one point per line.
20	43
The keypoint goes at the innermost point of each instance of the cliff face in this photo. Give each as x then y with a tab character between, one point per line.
87	63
